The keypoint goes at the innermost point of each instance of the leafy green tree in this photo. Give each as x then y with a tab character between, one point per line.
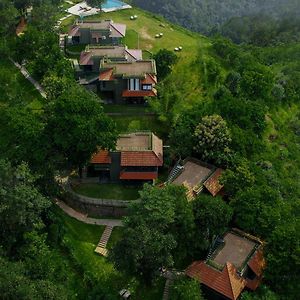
186	289
263	293
212	216
165	59
76	127
8	15
95	3
151	230
21	204
238	178
232	82
259	209
282	254
55	85
212	139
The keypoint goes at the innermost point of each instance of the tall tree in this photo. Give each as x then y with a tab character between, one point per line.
165	59
212	139
77	126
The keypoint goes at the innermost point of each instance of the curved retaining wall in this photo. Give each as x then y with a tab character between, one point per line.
95	206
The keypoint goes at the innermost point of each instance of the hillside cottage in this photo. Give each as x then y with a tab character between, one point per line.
235	263
97	33
137	157
196	176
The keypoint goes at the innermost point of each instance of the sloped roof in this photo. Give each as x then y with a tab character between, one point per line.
135	53
74	31
107	75
101	157
137	159
117	30
212	183
150	79
86	58
226	282
257	263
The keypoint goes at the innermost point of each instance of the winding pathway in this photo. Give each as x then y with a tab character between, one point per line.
84	218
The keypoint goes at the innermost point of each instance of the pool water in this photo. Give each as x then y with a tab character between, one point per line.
112	4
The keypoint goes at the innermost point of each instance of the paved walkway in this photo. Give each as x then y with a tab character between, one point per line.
85	219
28	77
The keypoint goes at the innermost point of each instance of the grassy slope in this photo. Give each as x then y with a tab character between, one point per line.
13	83
142	31
81	240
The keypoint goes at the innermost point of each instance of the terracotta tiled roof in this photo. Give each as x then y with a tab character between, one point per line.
212	183
102	157
257	263
253	284
150	79
86	58
140	158
138	175
129	94
106	75
226	282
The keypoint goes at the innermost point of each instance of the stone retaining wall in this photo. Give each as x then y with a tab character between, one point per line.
94	206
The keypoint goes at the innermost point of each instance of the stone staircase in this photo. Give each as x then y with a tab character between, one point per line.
62	42
168	284
101	247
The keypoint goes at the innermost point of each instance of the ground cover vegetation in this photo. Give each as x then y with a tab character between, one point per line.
241	102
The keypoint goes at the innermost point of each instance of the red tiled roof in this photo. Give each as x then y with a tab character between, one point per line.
253	284
106	75
212	183
21	26
129	94
257	263
140	159
226	282
102	157
150	79
139	175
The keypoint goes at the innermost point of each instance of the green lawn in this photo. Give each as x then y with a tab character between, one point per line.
81	240
108	191
125	108
15	86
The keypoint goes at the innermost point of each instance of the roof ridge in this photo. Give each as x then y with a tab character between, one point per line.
112	24
229	268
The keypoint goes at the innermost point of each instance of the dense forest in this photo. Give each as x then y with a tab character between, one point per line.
208	15
233	105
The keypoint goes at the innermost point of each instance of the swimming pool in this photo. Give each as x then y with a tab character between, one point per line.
113	5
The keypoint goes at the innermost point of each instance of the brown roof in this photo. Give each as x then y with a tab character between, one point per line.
212	183
106	75
21	26
102	157
226	282
143	158
138	175
140	93
150	79
257	263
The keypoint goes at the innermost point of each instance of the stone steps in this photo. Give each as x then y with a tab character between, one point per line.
101	247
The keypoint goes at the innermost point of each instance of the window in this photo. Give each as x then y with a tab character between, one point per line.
147	87
133	84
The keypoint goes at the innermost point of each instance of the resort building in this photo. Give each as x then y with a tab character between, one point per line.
196	176
97	33
129	81
235	262
90	58
137	157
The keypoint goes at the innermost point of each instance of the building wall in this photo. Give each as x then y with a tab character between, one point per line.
115	167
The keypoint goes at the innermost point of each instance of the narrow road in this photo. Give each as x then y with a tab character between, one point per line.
28	77
83	218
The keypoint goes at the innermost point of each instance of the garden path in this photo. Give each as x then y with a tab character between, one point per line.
85	219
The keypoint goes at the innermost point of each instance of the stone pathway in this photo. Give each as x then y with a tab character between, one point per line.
26	74
168	284
84	218
101	247
62	42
